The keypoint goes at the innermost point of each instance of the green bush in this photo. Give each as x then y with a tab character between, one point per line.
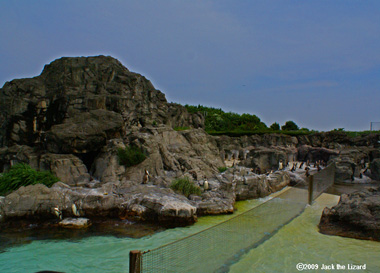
185	187
290	126
130	156
23	175
275	126
222	169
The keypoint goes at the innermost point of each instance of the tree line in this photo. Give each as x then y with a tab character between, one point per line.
216	120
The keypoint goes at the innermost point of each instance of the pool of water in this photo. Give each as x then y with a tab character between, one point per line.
95	253
298	241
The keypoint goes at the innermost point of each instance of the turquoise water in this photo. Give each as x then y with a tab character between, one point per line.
98	253
299	241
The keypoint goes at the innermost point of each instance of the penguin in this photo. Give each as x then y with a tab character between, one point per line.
205	185
58	212
307	171
146	177
75	210
280	165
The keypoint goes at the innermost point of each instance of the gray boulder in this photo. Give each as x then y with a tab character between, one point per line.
357	215
160	205
346	169
113	200
306	152
85	132
18	154
67	167
268	158
75	223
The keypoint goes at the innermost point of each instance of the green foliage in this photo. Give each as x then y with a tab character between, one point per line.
185	187
23	175
352	134
222	169
130	156
275	126
181	128
290	126
238	133
218	120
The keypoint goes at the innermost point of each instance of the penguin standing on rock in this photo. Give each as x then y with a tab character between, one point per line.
146	177
57	212
280	165
205	185
75	210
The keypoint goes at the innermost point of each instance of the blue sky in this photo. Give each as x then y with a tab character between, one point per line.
314	62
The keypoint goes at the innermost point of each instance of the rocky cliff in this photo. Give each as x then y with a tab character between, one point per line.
96	92
74	107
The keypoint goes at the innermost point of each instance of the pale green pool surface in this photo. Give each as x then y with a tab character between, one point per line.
299	241
98	253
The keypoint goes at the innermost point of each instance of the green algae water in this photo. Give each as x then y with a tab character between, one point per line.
296	242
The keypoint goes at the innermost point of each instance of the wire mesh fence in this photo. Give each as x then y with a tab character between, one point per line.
214	249
218	247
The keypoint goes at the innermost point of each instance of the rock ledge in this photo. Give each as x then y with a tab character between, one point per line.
357	215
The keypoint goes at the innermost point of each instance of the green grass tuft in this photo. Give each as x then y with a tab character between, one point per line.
23	175
130	156
185	187
222	169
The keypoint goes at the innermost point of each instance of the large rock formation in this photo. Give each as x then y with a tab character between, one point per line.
121	200
96	92
357	215
74	107
148	202
265	151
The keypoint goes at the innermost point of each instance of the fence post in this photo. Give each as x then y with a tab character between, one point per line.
311	187
135	261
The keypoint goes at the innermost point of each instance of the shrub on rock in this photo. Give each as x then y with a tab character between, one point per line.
130	156
185	187
23	175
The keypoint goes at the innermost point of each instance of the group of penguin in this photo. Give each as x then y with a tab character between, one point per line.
58	212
